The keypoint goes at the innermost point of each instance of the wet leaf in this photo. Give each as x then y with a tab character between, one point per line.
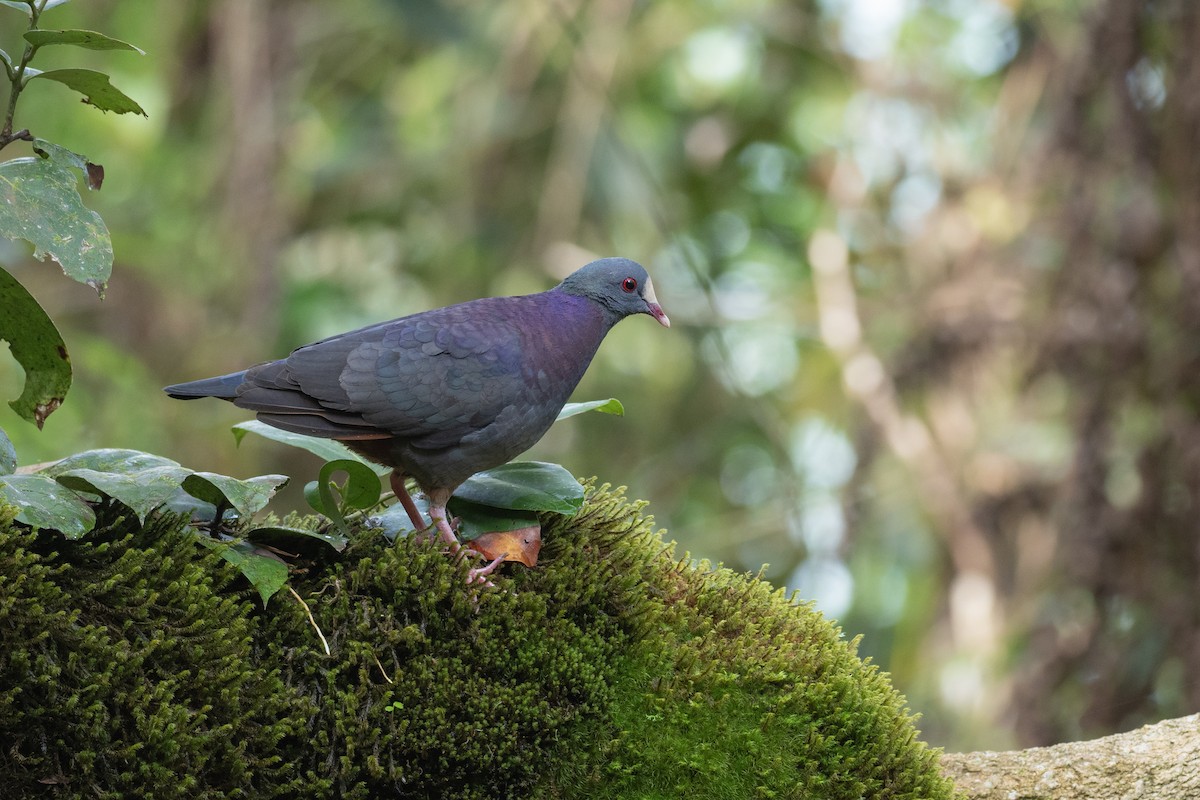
525	485
325	448
610	406
521	545
142	490
266	571
44	503
90	40
36	345
95	88
109	459
247	496
39	202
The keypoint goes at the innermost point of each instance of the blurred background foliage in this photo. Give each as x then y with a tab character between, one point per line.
933	268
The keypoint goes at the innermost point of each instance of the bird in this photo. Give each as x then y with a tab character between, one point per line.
443	394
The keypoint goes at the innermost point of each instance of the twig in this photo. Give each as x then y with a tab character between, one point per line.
312	621
17	80
382	671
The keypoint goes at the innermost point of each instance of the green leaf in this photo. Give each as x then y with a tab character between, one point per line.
317	499
144	481
87	39
476	520
108	459
44	503
266	572
8	455
39	202
247	496
37	346
21	5
9	68
296	540
361	489
525	486
610	406
95	88
141	490
327	449
199	511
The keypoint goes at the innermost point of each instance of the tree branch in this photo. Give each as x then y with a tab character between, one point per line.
1161	761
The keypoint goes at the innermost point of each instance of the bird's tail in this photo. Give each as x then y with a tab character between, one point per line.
224	387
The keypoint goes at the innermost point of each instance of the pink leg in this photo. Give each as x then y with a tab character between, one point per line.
401	492
437	513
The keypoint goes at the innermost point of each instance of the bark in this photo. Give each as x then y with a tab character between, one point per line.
1159	761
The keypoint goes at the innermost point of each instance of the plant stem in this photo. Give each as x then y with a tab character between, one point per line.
7	136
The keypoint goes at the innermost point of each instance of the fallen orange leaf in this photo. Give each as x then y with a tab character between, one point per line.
521	545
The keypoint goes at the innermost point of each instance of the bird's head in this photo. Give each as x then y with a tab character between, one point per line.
620	285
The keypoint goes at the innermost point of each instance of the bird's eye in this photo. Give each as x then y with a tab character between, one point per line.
629	284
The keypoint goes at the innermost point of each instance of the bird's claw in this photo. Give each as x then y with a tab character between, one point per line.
479	574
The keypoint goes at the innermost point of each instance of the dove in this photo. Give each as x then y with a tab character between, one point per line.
443	394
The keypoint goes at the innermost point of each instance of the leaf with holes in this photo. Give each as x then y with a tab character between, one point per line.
37	346
69	158
39	202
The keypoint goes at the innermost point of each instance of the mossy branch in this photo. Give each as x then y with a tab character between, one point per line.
613	669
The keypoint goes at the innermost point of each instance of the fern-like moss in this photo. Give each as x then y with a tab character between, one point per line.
138	665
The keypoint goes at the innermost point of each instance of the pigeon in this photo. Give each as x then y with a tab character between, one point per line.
443	394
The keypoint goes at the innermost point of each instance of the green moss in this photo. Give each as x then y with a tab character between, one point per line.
741	693
139	666
125	671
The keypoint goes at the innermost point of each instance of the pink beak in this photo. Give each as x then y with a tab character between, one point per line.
652	302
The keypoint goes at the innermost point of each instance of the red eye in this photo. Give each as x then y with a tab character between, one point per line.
629	284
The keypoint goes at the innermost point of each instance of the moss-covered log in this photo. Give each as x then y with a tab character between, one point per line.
135	663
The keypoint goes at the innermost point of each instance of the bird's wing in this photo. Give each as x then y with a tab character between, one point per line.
431	378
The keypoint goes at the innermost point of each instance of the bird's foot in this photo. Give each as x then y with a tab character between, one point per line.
479	574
